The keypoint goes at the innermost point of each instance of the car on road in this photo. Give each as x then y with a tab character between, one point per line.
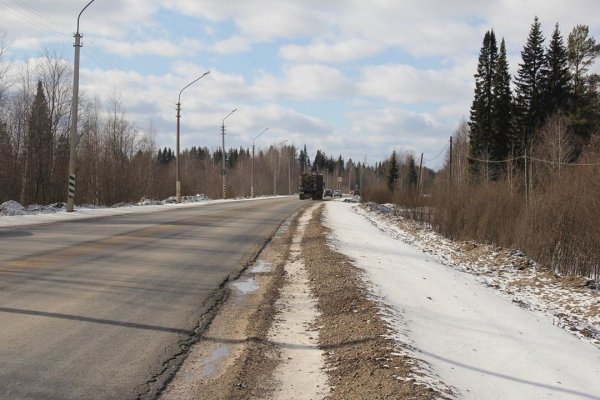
337	193
327	193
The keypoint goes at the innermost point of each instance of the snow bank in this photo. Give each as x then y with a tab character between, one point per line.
475	341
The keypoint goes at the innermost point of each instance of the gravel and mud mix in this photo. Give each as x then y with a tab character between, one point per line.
363	363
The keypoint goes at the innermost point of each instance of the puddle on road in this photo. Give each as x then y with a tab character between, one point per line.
214	359
260	267
245	286
284	226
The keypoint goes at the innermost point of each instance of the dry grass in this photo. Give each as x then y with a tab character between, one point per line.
559	226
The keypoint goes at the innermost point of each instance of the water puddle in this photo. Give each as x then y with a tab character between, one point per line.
260	267
284	227
245	286
214	359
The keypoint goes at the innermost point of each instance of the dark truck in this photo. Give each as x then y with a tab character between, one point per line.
311	186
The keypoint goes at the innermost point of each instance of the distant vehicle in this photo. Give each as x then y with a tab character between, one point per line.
327	193
356	192
311	186
337	193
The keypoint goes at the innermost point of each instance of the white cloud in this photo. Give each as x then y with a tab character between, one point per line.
234	44
407	84
312	53
392	128
151	47
338	52
305	81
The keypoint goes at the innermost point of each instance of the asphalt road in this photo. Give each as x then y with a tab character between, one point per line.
99	309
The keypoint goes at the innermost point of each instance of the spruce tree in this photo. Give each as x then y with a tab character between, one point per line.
582	51
501	121
481	110
528	82
556	76
393	171
412	176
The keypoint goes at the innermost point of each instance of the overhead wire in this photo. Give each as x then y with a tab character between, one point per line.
43	22
436	157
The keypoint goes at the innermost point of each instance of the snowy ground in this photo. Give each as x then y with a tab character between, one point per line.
13	214
486	332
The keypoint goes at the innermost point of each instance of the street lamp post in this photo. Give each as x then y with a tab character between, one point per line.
74	108
223	171
177	164
252	174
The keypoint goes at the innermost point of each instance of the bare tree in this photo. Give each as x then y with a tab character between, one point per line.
554	147
4	68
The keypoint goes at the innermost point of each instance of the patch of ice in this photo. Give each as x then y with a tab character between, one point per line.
260	267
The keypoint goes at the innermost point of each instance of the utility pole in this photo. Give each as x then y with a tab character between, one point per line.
74	109
252	174
420	176
177	164
450	166
274	172
223	170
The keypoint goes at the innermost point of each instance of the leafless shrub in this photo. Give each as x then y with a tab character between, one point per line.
377	193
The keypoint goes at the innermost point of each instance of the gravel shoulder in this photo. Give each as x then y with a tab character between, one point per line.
305	327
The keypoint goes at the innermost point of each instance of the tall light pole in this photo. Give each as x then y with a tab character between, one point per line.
74	108
252	174
178	171
223	171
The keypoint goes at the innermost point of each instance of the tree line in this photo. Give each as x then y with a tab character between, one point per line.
553	82
117	160
522	172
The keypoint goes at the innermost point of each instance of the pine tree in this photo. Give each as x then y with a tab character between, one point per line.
528	82
501	121
393	171
556	76
481	109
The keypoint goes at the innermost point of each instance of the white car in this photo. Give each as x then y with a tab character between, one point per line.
337	193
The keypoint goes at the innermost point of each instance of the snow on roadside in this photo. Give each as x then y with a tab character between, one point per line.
13	214
476	341
571	303
300	374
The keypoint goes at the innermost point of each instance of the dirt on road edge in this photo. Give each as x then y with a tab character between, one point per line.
233	359
363	362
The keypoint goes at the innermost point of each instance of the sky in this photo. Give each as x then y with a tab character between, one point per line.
352	78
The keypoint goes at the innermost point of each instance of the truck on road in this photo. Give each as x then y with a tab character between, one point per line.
311	186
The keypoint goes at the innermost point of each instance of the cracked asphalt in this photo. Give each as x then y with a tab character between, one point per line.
107	308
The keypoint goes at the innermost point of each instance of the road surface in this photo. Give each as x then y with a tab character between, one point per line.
102	308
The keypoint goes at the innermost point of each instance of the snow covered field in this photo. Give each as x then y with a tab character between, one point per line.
469	336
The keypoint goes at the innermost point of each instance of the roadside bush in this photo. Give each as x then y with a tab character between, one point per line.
377	193
558	227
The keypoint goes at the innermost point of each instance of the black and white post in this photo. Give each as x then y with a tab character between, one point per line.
74	108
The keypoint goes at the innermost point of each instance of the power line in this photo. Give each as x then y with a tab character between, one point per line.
440	153
564	163
46	23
